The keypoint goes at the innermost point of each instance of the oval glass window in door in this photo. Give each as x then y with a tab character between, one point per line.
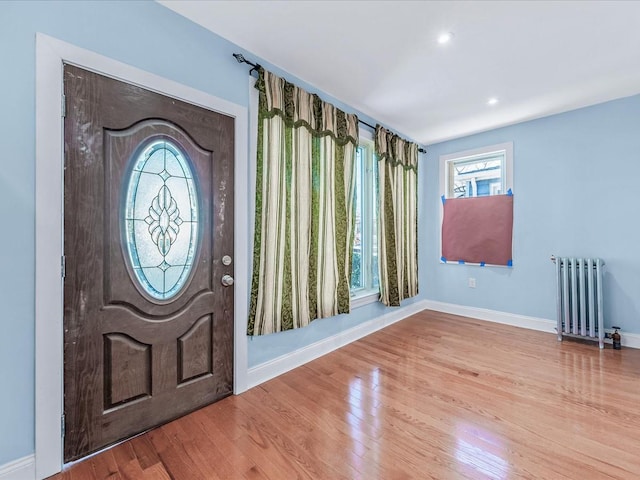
161	219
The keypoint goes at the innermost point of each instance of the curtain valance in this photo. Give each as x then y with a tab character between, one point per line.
299	108
394	150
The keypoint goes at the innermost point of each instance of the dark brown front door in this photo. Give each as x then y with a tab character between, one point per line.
148	240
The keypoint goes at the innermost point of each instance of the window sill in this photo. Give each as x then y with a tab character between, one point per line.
364	297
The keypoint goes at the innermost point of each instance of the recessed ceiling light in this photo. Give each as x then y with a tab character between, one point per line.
492	101
445	37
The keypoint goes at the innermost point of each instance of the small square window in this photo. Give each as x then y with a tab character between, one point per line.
478	173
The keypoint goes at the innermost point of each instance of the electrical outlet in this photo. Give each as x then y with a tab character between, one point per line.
472	282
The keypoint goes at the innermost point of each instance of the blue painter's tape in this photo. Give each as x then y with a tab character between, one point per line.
482	264
443	199
510	263
443	259
460	262
510	193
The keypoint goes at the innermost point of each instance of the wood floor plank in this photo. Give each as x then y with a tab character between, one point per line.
81	471
157	472
434	396
237	460
105	466
131	470
334	432
173	457
327	458
144	451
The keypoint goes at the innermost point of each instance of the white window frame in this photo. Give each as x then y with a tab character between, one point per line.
445	160
366	295
507	168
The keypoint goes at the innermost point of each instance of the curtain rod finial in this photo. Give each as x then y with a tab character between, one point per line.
240	59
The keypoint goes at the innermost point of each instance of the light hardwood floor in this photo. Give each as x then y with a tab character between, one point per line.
434	396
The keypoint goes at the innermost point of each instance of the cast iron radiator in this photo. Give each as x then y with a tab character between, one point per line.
579	298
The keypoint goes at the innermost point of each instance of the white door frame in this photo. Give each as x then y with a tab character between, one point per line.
51	54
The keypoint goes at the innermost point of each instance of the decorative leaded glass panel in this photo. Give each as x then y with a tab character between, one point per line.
161	219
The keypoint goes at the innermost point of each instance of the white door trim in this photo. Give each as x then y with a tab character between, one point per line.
50	56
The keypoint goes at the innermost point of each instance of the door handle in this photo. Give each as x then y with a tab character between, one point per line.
227	280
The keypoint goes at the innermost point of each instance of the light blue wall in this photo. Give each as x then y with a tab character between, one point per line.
575	177
145	35
575	190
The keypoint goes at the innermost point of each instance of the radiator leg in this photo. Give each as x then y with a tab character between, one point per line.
600	305
559	297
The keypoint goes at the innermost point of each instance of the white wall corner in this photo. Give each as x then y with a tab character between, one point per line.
21	469
271	369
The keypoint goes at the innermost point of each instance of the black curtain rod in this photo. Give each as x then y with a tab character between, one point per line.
367	124
420	149
256	66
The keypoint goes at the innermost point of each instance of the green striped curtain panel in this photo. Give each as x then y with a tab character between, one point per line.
304	208
398	219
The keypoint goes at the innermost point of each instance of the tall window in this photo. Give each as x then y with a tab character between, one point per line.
364	273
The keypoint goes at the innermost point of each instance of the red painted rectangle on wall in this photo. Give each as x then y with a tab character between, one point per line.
478	229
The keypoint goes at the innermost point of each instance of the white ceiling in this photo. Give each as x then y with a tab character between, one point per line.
382	57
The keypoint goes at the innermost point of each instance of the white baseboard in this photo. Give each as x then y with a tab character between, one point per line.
271	369
22	469
523	321
631	340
